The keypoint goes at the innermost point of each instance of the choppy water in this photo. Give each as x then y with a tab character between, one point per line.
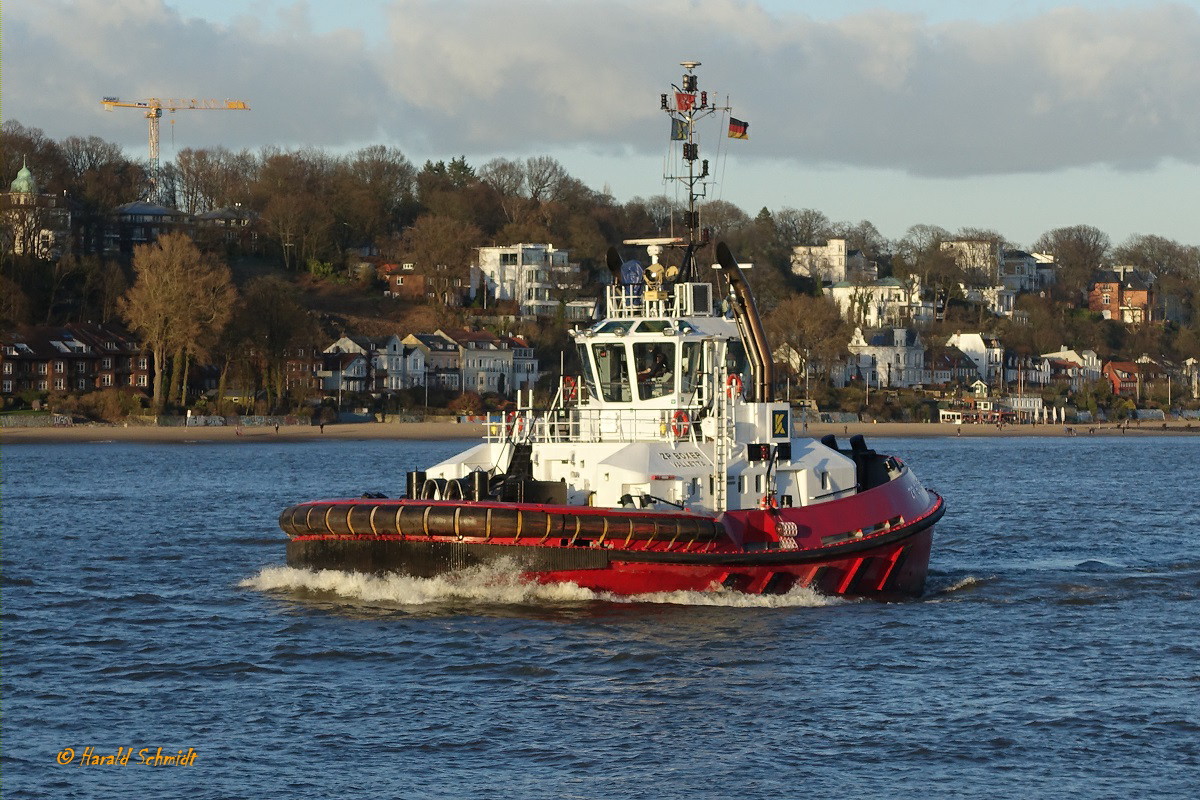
145	605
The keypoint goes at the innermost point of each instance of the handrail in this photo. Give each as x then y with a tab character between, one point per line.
592	425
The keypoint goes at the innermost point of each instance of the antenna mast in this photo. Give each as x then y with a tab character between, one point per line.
686	105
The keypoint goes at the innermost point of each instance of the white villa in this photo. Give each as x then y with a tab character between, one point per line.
535	276
884	302
887	357
833	263
392	365
985	350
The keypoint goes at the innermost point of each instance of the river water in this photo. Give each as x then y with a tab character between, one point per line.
145	605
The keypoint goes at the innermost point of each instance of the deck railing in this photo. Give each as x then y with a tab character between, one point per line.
678	300
593	425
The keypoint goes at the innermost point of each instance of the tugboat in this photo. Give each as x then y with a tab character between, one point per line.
665	464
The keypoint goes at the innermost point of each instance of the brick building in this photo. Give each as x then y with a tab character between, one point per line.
72	358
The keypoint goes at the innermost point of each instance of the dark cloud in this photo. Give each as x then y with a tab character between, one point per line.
1067	88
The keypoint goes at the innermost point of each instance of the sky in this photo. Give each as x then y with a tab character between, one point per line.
1018	116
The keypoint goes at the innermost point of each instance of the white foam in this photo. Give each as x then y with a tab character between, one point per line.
797	597
499	584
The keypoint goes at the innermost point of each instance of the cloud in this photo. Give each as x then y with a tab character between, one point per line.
1068	88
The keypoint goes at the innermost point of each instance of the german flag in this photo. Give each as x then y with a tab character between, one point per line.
738	129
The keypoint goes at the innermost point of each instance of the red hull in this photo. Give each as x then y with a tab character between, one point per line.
874	543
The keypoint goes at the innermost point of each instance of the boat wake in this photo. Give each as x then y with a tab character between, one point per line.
492	584
495	585
799	597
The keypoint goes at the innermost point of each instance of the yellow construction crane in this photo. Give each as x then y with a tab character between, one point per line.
154	108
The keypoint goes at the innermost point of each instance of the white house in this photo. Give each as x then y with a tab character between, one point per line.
525	365
34	223
1027	408
986	351
887	357
1191	373
393	364
440	358
536	276
1019	271
1086	359
833	262
1026	371
882	302
344	372
993	276
491	363
1047	269
978	258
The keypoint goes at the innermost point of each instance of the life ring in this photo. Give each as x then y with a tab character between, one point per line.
733	385
570	389
681	424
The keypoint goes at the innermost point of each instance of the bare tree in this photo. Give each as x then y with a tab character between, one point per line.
1079	250
724	218
300	224
812	324
268	325
544	178
863	236
1160	255
178	299
802	227
442	249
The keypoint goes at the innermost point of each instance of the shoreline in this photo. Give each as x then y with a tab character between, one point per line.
400	431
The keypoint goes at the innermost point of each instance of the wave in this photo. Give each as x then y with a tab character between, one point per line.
498	584
933	590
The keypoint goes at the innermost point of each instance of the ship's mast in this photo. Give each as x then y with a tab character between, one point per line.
686	104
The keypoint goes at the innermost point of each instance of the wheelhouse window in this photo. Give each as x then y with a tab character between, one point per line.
585	366
691	368
612	371
655	369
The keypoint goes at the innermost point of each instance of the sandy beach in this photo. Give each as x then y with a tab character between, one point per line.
453	430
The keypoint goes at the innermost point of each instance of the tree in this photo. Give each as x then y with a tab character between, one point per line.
268	325
802	227
920	253
441	248
864	236
810	324
544	178
373	194
300	224
1079	250
1159	255
650	216
180	298
507	179
723	218
103	284
14	305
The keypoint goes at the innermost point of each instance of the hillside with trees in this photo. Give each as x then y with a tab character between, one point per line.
296	277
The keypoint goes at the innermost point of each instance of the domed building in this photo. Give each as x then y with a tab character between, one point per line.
34	223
